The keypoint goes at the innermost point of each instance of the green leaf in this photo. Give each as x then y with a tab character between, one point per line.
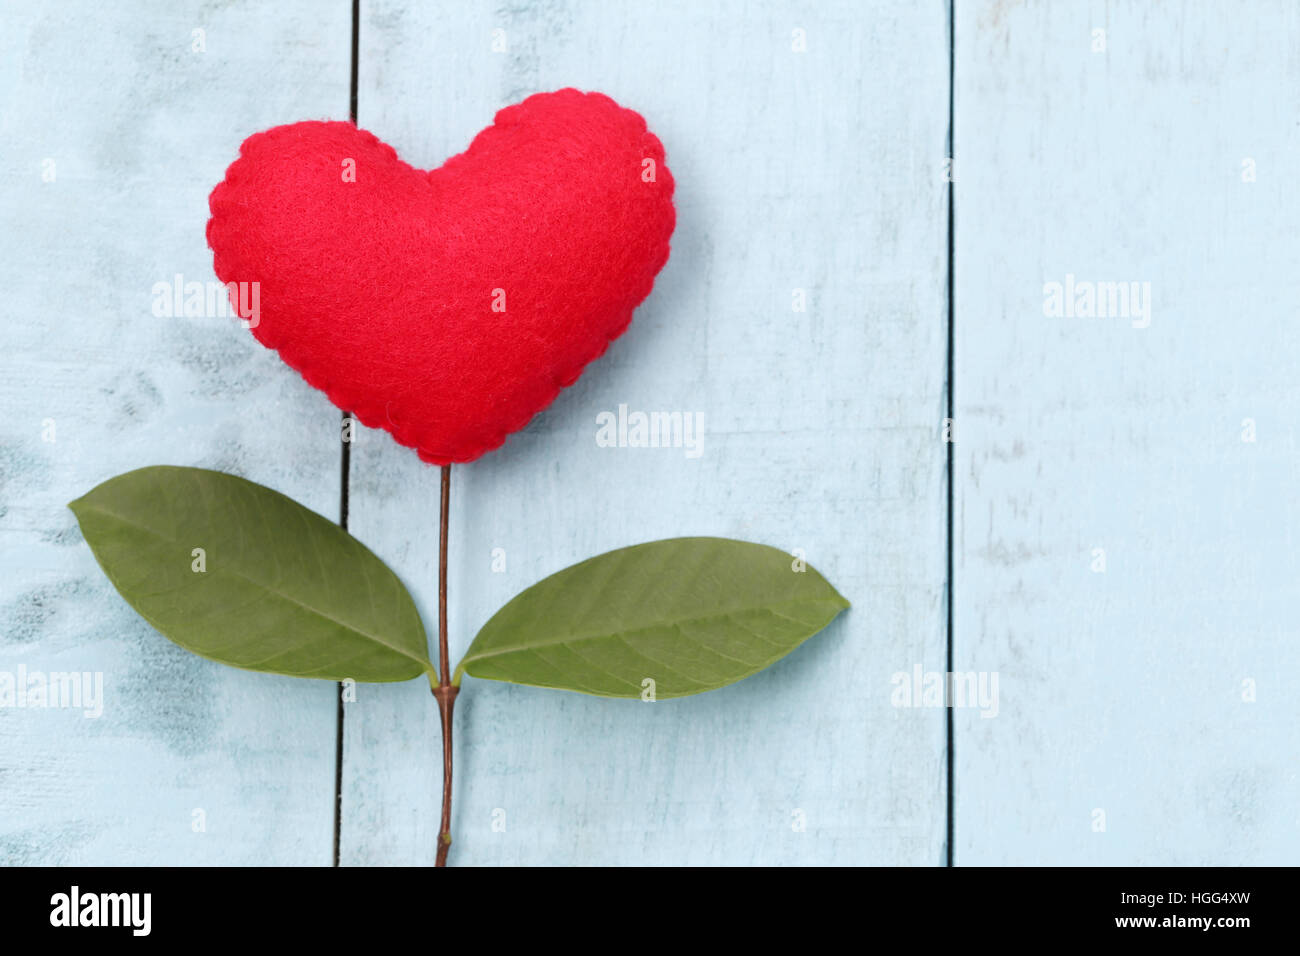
691	614
276	587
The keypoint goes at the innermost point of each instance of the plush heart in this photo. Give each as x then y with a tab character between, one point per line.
450	306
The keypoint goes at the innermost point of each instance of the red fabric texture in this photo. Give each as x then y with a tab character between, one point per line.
386	292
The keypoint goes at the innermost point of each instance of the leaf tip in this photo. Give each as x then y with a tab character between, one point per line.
837	598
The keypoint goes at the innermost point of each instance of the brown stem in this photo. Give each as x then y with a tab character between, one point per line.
445	692
444	668
446	697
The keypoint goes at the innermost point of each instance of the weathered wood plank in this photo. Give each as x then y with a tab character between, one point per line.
1127	692
116	127
795	170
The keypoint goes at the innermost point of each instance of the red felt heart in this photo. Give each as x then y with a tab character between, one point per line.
450	306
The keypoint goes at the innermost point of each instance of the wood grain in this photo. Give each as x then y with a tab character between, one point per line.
794	171
1156	692
1126	692
139	126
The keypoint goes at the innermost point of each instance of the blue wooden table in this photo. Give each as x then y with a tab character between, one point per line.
1110	566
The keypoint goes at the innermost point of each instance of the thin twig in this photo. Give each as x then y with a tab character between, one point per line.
445	692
